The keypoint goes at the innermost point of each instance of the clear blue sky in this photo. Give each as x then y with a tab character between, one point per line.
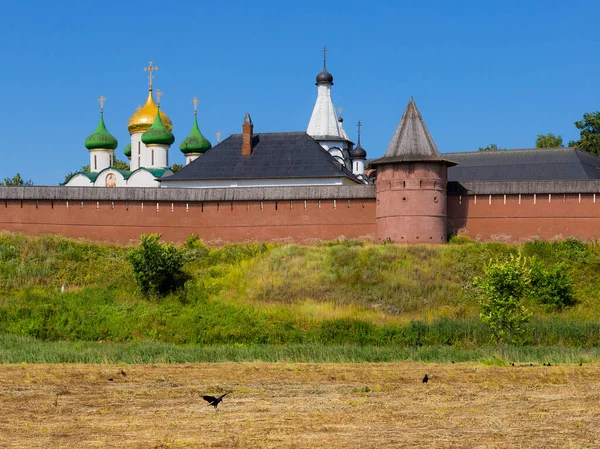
481	72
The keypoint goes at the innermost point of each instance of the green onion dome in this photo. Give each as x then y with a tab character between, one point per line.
195	142
158	134
101	139
127	151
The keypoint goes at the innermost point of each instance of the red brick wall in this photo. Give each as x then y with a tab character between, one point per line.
486	217
122	221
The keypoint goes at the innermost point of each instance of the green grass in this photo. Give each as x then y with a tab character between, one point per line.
347	297
14	349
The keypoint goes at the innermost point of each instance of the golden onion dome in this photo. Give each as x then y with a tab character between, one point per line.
144	117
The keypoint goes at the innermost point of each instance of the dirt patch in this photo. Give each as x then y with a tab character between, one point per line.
299	406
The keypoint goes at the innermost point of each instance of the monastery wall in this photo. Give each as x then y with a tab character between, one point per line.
518	211
301	214
502	211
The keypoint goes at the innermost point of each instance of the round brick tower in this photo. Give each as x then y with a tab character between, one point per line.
411	185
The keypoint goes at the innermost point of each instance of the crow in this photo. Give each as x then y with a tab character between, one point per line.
123	373
214	401
426	379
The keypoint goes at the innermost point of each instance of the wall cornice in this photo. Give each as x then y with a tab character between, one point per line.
175	194
521	187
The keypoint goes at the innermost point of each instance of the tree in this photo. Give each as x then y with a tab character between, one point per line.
548	141
589	136
16	181
120	165
157	267
492	147
176	167
503	286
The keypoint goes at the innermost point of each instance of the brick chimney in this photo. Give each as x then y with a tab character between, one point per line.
247	128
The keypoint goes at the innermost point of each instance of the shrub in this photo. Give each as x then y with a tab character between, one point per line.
503	285
157	267
552	287
572	248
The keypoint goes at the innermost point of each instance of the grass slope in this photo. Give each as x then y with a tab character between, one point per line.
262	294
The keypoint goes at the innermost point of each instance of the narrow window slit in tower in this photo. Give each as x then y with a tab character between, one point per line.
187	207
490	199
157	207
172	207
519	198
202	207
535	198
37	204
335	204
81	205
304	204
549	197
218	207
247	206
348	204
276	204
97	205
67	205
290	205
142	206
262	206
504	199
112	205
475	200
127	205
459	199
580	197
232	206
363	204
319	204
5	204
594	198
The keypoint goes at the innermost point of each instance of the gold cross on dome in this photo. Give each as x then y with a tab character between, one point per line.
101	100
340	109
150	76
158	95
218	133
195	101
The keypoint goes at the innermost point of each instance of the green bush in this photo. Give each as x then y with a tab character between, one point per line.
157	267
551	287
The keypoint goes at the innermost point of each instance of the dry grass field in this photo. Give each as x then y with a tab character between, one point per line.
299	406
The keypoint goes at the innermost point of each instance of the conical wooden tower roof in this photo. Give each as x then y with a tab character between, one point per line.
411	141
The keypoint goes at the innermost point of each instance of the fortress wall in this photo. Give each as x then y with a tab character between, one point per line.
519	217
226	215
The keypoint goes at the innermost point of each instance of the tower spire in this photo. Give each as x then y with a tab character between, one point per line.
358	125
150	69
324	57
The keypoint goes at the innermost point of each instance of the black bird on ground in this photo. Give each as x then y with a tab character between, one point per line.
425	379
123	373
214	401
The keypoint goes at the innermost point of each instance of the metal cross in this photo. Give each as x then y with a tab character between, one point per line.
324	56
101	100
359	124
158	95
150	69
195	101
340	109
218	133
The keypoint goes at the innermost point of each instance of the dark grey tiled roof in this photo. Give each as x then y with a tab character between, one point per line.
274	156
538	164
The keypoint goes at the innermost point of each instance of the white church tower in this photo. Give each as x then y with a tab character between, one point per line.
101	144
140	122
324	125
